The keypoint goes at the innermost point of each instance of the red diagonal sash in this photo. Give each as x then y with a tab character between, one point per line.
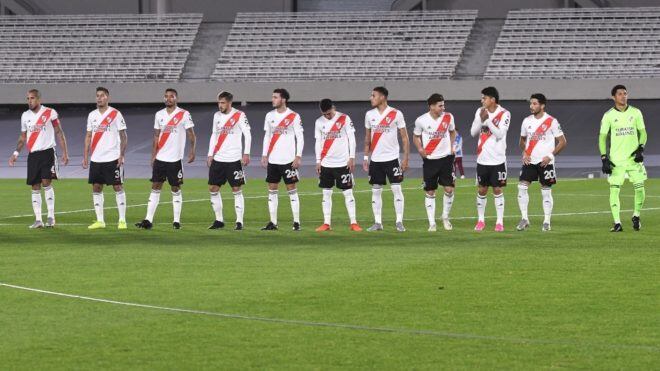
433	143
383	123
484	136
107	120
41	122
336	127
288	120
233	120
545	126
174	121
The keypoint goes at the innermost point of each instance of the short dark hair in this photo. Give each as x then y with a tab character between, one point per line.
539	97
229	97
35	92
618	87
172	90
325	104
435	98
491	92
105	90
382	90
283	93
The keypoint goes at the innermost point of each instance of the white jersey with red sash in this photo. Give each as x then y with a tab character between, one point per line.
491	150
283	139
39	128
540	134
105	128
335	140
435	134
384	133
226	143
172	138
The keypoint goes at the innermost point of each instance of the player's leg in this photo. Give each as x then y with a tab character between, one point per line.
216	179
273	178
447	179
326	182
236	180
34	181
482	196
175	179
528	174
48	173
498	182
98	201
158	177
459	165
430	177
290	180
377	179
547	178
395	176
637	176
345	183
120	194
615	181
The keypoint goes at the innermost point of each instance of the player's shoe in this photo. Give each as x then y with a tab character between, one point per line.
480	226
522	225
355	227
399	227
145	224
96	225
323	228
499	227
37	224
296	226
462	176
432	228
50	222
546	227
176	225
616	228
122	225
217	225
375	227
637	223
239	226
447	225
269	227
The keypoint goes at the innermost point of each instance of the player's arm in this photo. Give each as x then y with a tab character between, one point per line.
477	123
59	133
86	149
642	137
123	143
300	142
212	141
452	139
267	136
406	148
19	146
192	142
318	146
602	146
247	138
350	134
417	138
367	145
499	131
154	145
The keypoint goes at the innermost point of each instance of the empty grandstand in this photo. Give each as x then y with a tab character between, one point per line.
95	48
578	43
344	46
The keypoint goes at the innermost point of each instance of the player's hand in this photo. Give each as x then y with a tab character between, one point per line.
12	160
546	160
365	165
65	159
404	165
85	163
422	152
209	160
607	165
245	160
351	165
191	157
526	159
318	168
296	162
483	113
121	161
264	161
639	153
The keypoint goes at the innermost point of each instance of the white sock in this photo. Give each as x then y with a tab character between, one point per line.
377	203
216	204
429	203
326	205
295	205
523	199
499	208
152	205
272	205
120	197
36	204
548	203
349	200
481	207
177	203
447	202
98	199
239	206
398	202
49	194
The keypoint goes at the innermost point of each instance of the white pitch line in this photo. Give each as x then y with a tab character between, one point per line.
341	325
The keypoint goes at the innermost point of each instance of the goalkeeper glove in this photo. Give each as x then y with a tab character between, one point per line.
607	164
639	153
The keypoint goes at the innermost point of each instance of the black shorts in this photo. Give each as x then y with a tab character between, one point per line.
172	171
380	171
41	165
339	176
223	172
275	173
108	173
438	171
545	175
491	175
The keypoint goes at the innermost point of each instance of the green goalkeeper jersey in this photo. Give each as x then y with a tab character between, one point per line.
626	130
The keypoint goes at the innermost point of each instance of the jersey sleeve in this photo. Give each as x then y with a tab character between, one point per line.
317	130
244	125
555	129
54	118
350	134
418	127
523	128
188	123
23	125
639	121
452	124
367	125
400	121
121	123
604	125
300	137
156	124
89	122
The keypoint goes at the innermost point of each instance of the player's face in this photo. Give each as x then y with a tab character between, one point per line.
277	100
101	99
376	99
535	107
621	97
170	99
224	105
487	102
33	101
329	114
438	108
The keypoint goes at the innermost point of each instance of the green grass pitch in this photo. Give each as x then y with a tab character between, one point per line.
578	297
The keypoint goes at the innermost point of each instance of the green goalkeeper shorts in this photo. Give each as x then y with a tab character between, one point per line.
635	170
